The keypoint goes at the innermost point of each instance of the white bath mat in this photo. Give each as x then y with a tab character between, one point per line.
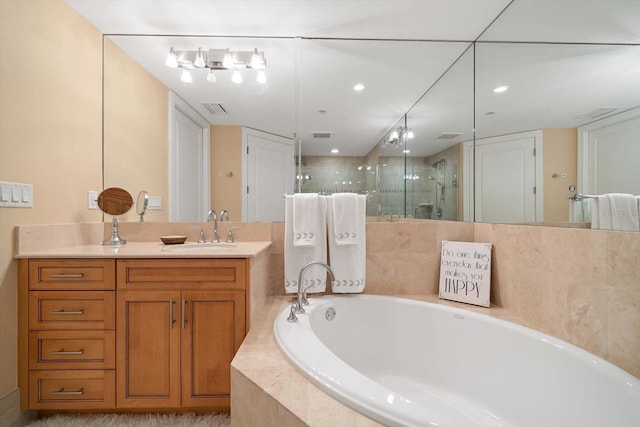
134	420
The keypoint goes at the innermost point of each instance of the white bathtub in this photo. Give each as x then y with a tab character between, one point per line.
411	363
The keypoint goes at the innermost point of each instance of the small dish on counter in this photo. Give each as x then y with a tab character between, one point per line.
173	240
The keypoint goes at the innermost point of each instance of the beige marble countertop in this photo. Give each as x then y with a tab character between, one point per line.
151	250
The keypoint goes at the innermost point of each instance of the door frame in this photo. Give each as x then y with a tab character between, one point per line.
178	104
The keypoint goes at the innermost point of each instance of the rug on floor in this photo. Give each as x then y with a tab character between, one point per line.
134	420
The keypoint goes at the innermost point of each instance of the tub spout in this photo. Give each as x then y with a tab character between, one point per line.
302	294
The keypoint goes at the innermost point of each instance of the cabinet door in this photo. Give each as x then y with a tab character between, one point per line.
148	349
213	329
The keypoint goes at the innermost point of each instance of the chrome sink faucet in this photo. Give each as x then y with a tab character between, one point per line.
296	307
214	214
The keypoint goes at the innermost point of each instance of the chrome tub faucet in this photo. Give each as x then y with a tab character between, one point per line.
296	306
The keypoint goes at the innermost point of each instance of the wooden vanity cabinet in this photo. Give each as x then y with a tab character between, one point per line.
98	334
179	322
66	343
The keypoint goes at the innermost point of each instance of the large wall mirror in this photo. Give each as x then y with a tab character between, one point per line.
430	136
535	104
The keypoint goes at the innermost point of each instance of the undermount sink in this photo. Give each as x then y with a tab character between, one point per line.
200	247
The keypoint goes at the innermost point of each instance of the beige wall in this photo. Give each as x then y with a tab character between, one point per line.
226	156
559	155
136	123
50	125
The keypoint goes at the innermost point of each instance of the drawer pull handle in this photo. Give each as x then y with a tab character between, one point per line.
68	393
68	276
67	313
68	353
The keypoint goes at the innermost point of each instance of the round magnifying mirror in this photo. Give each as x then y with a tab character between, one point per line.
142	203
115	201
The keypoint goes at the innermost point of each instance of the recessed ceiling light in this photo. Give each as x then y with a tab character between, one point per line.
406	151
335	150
501	89
358	87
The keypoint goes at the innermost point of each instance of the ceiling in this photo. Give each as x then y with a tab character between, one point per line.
317	50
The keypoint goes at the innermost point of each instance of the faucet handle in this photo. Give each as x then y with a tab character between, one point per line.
202	239
230	235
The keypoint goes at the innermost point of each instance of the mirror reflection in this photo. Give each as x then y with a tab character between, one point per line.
540	112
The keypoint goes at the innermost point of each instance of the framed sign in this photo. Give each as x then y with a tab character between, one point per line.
465	272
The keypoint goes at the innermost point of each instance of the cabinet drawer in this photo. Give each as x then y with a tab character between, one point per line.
69	274
200	274
72	350
71	389
71	310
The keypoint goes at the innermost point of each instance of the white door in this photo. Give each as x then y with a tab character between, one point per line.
268	175
506	188
610	153
189	186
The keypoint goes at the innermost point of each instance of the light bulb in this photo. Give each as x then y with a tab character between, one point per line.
236	77
172	59
186	76
394	135
199	62
410	134
256	61
227	61
211	77
262	77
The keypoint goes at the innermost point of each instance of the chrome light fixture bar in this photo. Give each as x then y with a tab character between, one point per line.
218	59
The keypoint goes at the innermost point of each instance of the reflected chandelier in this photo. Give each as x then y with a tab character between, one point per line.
218	59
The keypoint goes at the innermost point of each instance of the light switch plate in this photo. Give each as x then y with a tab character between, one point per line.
16	195
92	199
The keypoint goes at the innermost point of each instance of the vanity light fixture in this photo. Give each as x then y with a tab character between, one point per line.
257	61
218	59
199	61
172	59
186	76
501	89
236	77
227	60
211	77
262	77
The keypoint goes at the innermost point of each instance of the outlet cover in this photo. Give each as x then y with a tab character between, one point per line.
155	203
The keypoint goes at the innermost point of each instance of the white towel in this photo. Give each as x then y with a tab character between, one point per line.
601	213
580	211
295	257
306	219
624	212
346	220
348	262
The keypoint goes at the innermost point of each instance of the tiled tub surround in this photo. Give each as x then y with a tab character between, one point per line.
579	285
582	286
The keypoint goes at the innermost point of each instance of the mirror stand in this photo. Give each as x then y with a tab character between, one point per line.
115	237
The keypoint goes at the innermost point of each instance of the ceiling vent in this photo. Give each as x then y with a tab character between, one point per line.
215	108
321	135
595	114
449	135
